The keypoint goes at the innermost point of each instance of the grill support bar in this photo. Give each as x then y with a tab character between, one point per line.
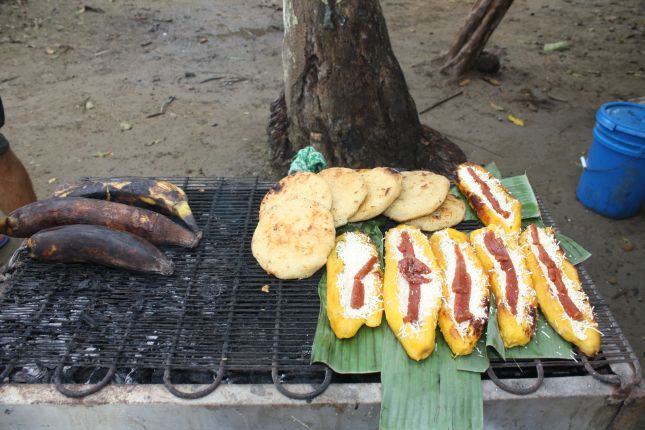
219	375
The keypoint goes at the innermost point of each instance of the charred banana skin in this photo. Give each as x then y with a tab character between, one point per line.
162	195
98	245
43	214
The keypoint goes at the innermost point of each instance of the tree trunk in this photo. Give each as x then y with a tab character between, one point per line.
345	94
483	19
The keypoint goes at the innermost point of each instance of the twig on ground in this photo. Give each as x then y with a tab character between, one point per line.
162	109
440	102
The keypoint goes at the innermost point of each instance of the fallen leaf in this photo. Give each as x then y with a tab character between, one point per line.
497	107
50	51
626	244
492	81
84	9
203	39
125	125
51	181
515	120
557	98
464	82
101	154
89	105
561	45
265	288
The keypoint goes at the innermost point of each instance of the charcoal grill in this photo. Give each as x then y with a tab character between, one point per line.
80	328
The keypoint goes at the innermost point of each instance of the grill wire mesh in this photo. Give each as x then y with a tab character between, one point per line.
212	310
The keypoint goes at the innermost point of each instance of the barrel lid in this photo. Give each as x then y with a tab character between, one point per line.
625	117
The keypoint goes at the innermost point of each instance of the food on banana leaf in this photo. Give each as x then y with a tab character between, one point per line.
560	295
465	291
412	290
348	191
383	187
450	213
354	285
422	193
488	197
510	279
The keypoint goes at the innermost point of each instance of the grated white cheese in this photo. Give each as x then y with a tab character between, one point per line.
430	300
525	292
552	247
495	187
477	285
355	251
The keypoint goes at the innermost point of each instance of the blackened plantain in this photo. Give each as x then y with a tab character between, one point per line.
40	215
99	245
159	195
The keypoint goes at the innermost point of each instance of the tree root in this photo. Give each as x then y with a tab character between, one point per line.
435	152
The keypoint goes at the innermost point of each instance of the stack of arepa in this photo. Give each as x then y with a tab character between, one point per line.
298	216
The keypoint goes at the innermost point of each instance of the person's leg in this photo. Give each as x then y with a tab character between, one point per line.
15	186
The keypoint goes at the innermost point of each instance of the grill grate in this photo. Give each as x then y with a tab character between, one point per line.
210	314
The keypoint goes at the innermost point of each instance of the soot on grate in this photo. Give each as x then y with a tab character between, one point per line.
209	320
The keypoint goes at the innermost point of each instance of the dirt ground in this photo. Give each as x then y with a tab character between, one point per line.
78	87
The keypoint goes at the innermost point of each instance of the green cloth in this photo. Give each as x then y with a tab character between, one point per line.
308	160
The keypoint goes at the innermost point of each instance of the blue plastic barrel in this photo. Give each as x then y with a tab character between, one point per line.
613	181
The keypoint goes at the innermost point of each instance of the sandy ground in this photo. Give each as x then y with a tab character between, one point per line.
72	82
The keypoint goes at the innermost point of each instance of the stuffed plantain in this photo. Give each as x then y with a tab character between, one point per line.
158	195
560	295
510	279
43	214
488	197
354	285
412	290
465	291
99	245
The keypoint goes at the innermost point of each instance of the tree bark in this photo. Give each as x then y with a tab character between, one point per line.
483	19
345	93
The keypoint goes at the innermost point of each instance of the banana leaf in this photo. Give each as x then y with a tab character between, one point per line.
520	188
477	361
431	393
361	353
573	250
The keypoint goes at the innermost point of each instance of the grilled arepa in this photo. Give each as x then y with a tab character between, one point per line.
412	290
465	291
422	193
354	285
300	185
510	280
293	239
348	191
488	197
449	214
383	187
560	295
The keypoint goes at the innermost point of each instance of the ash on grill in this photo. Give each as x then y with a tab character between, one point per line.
208	323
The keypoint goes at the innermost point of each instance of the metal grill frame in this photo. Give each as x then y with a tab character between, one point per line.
211	315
